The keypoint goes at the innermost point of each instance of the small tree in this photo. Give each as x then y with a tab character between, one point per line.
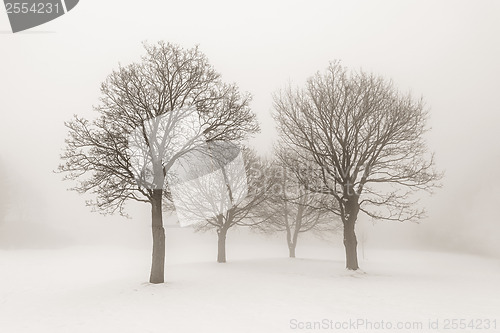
293	209
231	195
98	153
361	142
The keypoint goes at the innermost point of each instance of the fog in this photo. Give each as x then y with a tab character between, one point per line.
445	51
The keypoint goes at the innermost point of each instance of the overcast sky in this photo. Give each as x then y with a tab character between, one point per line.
446	51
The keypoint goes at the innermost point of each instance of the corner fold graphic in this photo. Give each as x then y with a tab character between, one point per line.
70	4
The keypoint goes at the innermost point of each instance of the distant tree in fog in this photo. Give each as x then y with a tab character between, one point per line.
355	138
235	201
293	209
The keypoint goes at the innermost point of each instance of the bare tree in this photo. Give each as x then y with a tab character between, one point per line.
292	208
169	78
356	138
232	198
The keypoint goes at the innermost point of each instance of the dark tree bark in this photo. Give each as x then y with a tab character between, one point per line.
350	244
221	245
349	220
158	260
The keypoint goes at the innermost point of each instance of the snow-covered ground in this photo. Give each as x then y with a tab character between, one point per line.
105	289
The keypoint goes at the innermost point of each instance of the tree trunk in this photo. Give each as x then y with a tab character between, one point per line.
292	240
350	244
350	241
158	262
221	245
289	241
291	250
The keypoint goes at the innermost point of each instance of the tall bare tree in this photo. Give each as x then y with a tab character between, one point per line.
168	78
356	138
